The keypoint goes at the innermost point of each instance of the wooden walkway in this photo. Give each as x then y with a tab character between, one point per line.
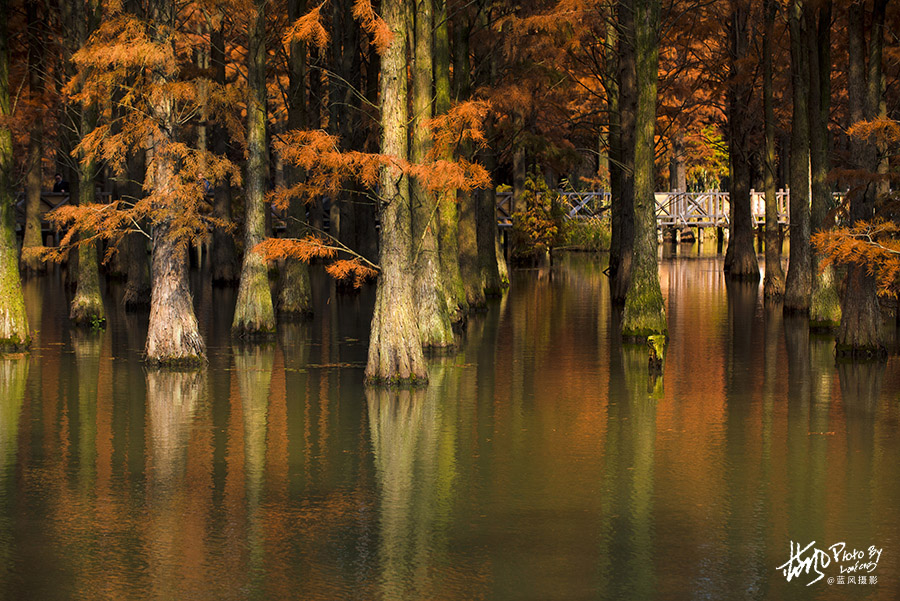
673	209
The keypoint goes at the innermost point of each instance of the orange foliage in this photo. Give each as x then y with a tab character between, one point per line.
873	245
308	28
351	270
375	25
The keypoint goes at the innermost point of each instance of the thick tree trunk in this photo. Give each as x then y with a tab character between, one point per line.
173	337
224	251
858	336
432	311
448	213
798	286
621	252
34	175
740	258
487	231
13	320
295	295
773	285
825	304
254	314
645	313
395	348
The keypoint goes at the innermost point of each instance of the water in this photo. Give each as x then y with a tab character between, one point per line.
543	462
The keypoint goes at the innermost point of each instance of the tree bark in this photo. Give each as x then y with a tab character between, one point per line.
87	305
467	233
798	286
448	213
34	176
645	313
173	335
773	285
858	336
740	258
295	295
395	348
433	314
224	251
254	314
825	304
14	333
621	252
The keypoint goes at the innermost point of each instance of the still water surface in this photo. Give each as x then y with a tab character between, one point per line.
543	462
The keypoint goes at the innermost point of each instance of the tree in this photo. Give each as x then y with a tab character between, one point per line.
295	296
858	335
395	346
254	314
798	285
13	320
773	285
824	306
433	314
644	313
37	32
740	258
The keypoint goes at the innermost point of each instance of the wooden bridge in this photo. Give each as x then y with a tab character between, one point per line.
673	209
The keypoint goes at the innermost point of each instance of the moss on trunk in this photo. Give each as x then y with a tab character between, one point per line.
87	305
13	319
467	240
825	302
433	315
395	348
254	314
644	313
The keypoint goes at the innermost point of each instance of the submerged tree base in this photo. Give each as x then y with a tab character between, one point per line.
14	345
845	353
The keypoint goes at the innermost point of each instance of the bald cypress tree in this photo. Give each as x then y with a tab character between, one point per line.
395	346
13	321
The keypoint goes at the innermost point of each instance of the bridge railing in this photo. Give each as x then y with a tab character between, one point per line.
673	209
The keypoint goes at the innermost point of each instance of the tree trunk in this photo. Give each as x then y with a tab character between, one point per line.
254	314
858	336
87	305
13	320
224	251
173	335
34	175
621	252
467	233
773	285
295	295
137	265
395	348
740	258
645	313
798	286
432	312
448	213
825	304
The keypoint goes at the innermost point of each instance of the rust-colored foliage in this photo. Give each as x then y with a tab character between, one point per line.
873	245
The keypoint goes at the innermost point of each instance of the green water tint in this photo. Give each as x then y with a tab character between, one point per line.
544	461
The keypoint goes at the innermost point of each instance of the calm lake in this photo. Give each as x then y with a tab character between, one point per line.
543	461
